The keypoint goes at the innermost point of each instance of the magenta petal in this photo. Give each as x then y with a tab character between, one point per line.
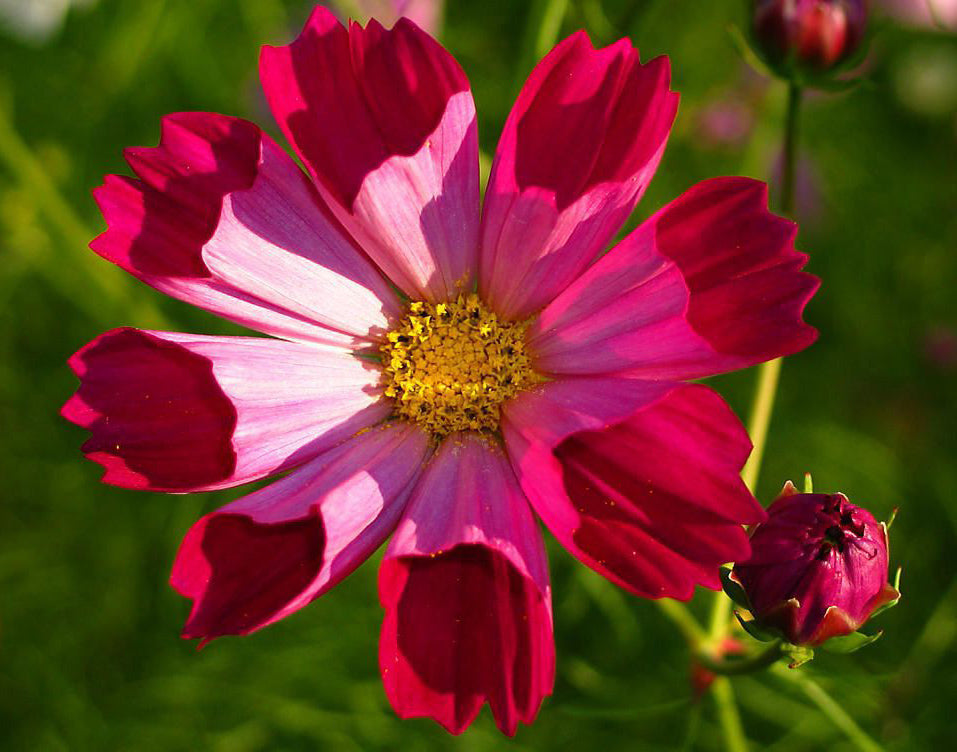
464	585
222	218
184	412
710	283
268	554
653	501
578	150
385	123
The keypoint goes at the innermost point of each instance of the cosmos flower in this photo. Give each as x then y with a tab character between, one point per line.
440	371
818	567
811	34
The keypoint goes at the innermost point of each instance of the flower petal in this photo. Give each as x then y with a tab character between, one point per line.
654	501
268	554
710	283
385	123
184	412
578	150
465	588
222	218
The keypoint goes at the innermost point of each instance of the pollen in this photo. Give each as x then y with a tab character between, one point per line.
449	366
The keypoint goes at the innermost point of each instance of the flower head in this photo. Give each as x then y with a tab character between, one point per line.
818	567
514	375
813	35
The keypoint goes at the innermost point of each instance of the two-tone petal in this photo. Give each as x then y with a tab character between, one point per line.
710	283
384	121
578	150
464	585
268	554
185	412
639	480
222	218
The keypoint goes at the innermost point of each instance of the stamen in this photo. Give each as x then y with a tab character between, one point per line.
449	366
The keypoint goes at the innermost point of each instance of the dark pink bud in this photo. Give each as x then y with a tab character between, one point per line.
810	34
818	567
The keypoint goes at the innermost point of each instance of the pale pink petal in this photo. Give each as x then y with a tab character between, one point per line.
184	412
710	283
465	588
578	150
222	218
652	501
384	121
268	554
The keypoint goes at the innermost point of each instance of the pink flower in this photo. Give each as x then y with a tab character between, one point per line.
812	34
818	567
525	374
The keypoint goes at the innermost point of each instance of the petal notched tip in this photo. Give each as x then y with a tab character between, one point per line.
747	290
350	98
463	628
158	222
157	416
242	574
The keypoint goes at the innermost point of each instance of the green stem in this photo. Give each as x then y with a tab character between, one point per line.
769	373
761	410
728	716
830	707
790	148
684	620
738	666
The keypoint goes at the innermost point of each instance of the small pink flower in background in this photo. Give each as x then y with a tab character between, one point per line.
725	123
818	567
930	14
520	377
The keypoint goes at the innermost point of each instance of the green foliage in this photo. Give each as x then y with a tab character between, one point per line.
89	653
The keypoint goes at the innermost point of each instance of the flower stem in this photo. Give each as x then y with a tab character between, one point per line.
762	407
748	665
728	716
769	373
830	707
788	174
684	620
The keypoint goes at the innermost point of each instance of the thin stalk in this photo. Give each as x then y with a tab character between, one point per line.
762	406
831	708
790	148
739	666
684	620
730	720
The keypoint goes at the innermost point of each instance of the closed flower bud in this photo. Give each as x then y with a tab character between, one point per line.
818	568
812	35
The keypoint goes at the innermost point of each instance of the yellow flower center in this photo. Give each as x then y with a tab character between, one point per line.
449	366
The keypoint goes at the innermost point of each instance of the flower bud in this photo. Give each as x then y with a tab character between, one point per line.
813	35
818	568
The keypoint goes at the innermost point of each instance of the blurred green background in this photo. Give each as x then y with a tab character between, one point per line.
90	657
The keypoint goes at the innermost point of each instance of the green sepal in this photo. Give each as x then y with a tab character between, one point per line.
733	589
799	655
758	632
893	602
808	483
850	643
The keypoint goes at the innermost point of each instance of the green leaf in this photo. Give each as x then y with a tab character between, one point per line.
850	643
